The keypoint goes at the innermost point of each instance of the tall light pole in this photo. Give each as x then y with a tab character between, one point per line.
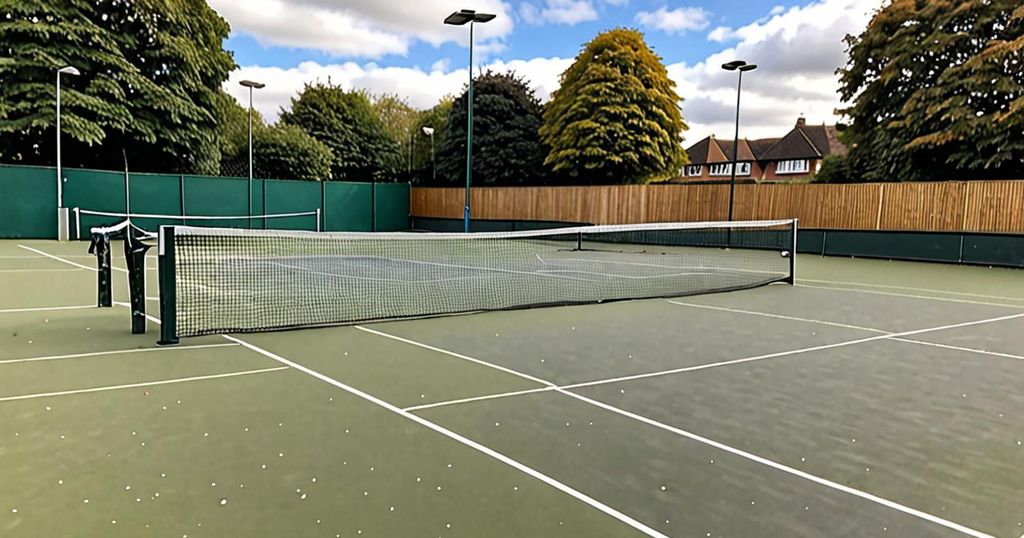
742	67
69	70
252	85
429	131
460	18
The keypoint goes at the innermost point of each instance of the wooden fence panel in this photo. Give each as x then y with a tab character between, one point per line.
990	206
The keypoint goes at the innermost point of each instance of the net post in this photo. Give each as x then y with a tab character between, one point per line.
792	253
318	219
579	240
78	224
104	292
168	291
135	255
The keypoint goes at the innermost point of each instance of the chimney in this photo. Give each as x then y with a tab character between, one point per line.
801	122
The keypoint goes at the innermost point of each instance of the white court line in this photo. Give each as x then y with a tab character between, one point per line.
744	454
45	309
843	325
891	294
911	289
451	434
79	256
39	270
145	384
480	398
787	469
594	503
62	260
779	316
114	352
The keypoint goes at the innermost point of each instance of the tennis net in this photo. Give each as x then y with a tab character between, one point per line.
215	280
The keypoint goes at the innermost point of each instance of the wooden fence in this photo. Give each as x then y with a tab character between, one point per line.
984	206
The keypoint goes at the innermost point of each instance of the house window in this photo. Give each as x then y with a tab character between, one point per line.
792	167
743	169
694	170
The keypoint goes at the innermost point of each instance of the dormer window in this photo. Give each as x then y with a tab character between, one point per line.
801	166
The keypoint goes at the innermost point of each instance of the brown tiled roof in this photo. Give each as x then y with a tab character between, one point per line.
699	152
715	153
795	145
744	153
761	145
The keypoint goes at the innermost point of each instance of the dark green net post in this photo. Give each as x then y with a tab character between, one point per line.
168	288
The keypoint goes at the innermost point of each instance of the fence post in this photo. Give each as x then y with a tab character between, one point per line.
967	197
881	199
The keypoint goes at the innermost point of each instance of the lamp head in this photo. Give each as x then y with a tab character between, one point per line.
252	84
466	16
748	67
69	70
429	131
733	65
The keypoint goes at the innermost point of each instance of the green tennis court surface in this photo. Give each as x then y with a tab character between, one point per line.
873	399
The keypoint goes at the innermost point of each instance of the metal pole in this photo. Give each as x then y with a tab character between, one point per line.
250	157
469	133
433	161
60	180
735	147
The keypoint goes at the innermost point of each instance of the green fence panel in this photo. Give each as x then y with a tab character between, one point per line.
291	197
391	205
93	190
155	194
903	245
810	241
207	196
995	249
28	202
347	207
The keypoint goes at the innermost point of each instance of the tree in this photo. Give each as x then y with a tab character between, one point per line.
398	120
425	150
287	152
616	117
937	91
151	71
835	169
345	122
507	148
232	134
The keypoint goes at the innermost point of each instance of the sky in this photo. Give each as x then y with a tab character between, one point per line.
383	48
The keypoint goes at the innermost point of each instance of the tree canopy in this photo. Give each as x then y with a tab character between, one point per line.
937	91
616	117
286	152
346	123
151	72
423	160
507	148
398	120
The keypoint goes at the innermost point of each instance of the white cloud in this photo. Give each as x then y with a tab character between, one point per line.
797	51
423	89
674	21
721	34
558	12
360	28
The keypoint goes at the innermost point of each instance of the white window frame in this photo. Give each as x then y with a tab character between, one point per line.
799	166
693	170
725	169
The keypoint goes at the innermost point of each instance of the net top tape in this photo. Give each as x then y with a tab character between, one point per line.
420	236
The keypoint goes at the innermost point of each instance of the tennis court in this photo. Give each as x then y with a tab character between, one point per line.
872	399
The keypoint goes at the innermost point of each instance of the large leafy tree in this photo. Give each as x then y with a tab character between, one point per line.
346	123
286	152
937	91
425	149
616	117
232	134
507	148
398	120
151	73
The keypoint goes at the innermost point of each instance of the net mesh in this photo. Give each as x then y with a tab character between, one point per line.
242	281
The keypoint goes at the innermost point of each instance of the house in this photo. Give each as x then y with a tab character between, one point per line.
794	157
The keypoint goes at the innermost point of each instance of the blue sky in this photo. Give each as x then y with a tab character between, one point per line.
368	44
